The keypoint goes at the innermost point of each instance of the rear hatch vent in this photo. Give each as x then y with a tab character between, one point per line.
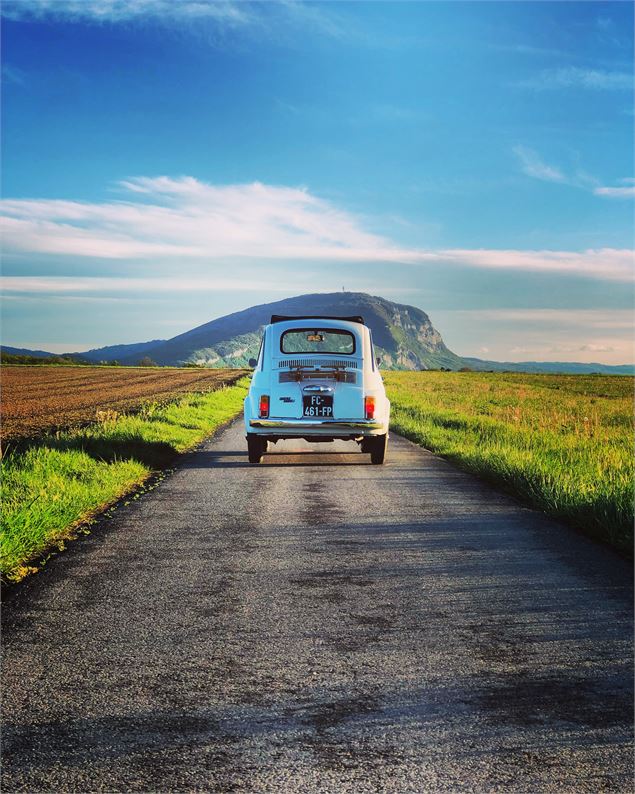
289	363
299	369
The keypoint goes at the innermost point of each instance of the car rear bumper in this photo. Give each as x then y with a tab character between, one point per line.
329	427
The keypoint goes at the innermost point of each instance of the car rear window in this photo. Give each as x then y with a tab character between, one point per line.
318	340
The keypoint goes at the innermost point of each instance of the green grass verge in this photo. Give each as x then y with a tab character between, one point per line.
563	444
51	486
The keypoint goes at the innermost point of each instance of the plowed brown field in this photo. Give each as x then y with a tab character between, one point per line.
37	399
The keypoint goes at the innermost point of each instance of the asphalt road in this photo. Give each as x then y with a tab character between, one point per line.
317	623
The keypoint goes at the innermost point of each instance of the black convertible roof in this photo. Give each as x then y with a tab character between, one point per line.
281	318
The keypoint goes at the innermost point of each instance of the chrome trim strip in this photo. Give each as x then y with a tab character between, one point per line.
333	424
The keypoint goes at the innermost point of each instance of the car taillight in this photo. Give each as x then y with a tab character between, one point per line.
369	407
264	406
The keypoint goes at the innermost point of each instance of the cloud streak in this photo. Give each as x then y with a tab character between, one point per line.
550	349
576	334
187	218
277	19
13	75
611	264
115	11
72	286
576	77
616	192
532	165
163	219
594	319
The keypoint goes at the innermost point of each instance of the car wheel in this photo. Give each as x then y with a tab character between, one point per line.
255	448
378	449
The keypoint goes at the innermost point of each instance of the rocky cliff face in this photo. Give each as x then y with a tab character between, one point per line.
403	335
414	342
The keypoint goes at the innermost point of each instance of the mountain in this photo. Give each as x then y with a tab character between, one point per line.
403	335
550	367
23	351
116	352
404	339
95	355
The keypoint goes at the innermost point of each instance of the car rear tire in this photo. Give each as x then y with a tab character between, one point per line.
256	448
378	449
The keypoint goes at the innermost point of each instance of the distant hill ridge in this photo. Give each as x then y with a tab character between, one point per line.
118	352
403	335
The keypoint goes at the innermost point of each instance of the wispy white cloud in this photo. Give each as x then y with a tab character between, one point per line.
571	334
319	17
70	286
616	192
532	165
174	220
113	11
550	349
119	289
188	218
576	77
13	74
597	348
610	264
280	20
529	49
591	319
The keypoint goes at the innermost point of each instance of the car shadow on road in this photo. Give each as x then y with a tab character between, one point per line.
237	459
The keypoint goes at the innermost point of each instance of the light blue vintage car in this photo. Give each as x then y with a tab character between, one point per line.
317	378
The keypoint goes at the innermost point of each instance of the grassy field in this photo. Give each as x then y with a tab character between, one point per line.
562	443
53	484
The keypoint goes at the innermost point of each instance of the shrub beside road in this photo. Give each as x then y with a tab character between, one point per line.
562	443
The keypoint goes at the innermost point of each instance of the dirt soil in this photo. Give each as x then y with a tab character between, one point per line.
40	398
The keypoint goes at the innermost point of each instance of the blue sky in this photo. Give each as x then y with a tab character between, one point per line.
166	163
